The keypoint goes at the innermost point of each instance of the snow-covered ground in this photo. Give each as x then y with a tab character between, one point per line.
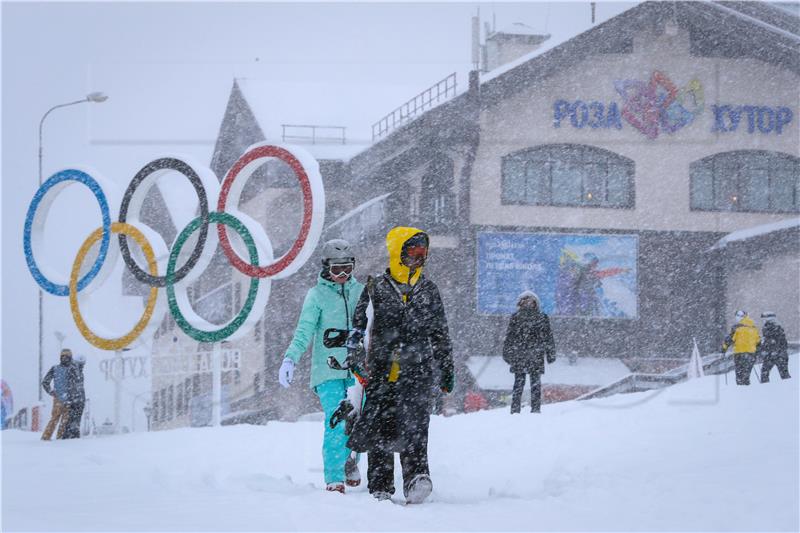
702	455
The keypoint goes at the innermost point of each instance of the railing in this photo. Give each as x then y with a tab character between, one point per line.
424	100
638	382
314	134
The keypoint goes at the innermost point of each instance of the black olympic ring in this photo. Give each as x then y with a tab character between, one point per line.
165	163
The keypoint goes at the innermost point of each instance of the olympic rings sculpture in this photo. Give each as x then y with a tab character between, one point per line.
151	245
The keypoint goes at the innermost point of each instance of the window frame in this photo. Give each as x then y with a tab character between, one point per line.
735	159
573	155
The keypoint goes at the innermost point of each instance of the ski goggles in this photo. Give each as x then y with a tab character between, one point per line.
414	256
341	269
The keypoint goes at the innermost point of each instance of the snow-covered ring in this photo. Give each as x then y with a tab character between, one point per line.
306	170
152	298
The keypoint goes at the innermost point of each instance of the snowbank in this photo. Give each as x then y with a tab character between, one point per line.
702	455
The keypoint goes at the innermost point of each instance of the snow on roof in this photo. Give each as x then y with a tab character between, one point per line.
755	231
759	22
552	42
492	373
519	28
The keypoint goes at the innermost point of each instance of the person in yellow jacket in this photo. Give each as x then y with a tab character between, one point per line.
744	338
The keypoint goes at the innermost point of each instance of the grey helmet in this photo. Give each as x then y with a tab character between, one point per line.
336	251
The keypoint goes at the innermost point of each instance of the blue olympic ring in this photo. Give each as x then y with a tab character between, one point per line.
55	179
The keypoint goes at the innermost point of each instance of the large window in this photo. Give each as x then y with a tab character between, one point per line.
568	175
746	180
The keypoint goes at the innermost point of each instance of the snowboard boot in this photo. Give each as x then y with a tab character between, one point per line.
351	472
381	495
341	413
337	486
419	488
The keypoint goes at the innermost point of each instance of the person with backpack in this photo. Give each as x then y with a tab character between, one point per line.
744	338
328	305
774	348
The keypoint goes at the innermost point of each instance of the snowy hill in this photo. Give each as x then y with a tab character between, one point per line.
702	455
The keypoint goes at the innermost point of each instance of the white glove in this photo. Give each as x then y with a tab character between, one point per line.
286	373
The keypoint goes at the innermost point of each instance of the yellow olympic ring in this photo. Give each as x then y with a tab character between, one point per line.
121	342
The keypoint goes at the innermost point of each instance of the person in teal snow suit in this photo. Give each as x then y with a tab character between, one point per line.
329	304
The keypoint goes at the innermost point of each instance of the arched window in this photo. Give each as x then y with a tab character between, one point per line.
568	175
746	180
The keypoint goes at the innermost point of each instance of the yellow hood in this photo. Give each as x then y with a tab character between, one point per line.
394	244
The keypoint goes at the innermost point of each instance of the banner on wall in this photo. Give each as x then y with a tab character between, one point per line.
574	275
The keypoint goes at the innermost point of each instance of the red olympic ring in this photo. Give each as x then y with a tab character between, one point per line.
274	268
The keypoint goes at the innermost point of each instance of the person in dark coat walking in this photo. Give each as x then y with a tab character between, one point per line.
774	348
77	399
529	341
409	340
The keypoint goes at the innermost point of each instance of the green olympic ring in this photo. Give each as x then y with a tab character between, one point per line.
224	332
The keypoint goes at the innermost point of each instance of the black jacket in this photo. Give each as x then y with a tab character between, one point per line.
773	340
415	335
529	341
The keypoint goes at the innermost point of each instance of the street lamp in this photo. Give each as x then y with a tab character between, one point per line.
96	97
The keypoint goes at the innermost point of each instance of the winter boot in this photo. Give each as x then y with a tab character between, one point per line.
337	486
419	488
351	473
341	413
381	495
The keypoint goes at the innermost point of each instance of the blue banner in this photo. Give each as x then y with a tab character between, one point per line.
574	275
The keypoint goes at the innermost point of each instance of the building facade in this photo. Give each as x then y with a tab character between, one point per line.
599	172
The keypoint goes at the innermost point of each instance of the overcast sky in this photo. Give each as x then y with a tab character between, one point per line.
168	69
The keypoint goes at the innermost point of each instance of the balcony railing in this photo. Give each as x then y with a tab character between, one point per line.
314	134
425	100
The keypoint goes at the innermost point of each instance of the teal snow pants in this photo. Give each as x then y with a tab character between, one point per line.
334	449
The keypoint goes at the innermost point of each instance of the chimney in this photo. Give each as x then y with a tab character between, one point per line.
511	42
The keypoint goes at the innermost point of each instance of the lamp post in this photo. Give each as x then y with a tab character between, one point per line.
96	97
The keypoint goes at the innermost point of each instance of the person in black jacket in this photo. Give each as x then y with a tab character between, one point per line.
77	399
529	341
408	340
774	348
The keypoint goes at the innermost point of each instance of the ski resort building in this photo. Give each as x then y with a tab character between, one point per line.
603	172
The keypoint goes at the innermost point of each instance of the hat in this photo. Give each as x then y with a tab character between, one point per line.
528	294
740	314
66	351
337	251
768	315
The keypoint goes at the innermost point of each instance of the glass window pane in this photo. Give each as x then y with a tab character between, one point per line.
785	182
536	182
702	194
567	183
513	180
618	184
594	176
726	188
755	189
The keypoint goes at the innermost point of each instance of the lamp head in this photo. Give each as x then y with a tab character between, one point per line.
96	97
